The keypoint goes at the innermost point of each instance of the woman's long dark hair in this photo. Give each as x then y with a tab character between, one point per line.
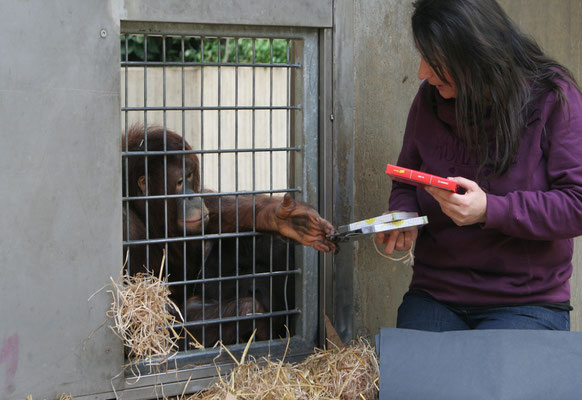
497	69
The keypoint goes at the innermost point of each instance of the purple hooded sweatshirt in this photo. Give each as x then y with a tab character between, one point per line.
522	254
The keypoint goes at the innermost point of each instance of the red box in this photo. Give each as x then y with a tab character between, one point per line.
418	178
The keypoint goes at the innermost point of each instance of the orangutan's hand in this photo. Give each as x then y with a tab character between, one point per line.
302	223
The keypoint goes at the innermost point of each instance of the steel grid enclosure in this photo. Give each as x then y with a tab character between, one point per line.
244	102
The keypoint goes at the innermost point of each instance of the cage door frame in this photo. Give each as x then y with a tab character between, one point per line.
306	172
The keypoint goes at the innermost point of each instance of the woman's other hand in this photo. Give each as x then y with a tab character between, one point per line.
399	240
464	209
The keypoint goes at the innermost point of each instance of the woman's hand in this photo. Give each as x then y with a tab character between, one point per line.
464	209
399	240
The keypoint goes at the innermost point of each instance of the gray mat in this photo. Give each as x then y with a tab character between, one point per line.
482	364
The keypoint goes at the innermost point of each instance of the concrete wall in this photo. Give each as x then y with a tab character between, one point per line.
375	81
60	210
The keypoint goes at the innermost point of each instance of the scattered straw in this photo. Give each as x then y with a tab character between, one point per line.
346	373
340	373
140	309
141	313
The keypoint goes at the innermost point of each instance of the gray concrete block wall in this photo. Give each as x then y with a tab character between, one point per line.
60	209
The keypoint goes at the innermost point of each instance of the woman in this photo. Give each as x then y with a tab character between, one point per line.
504	121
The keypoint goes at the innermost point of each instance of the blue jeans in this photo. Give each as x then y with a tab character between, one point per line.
421	311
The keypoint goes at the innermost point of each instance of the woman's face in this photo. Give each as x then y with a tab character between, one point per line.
447	90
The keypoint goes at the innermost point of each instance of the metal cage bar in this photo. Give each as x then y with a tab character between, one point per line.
300	150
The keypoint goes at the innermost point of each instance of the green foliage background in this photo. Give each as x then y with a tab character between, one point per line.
210	48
